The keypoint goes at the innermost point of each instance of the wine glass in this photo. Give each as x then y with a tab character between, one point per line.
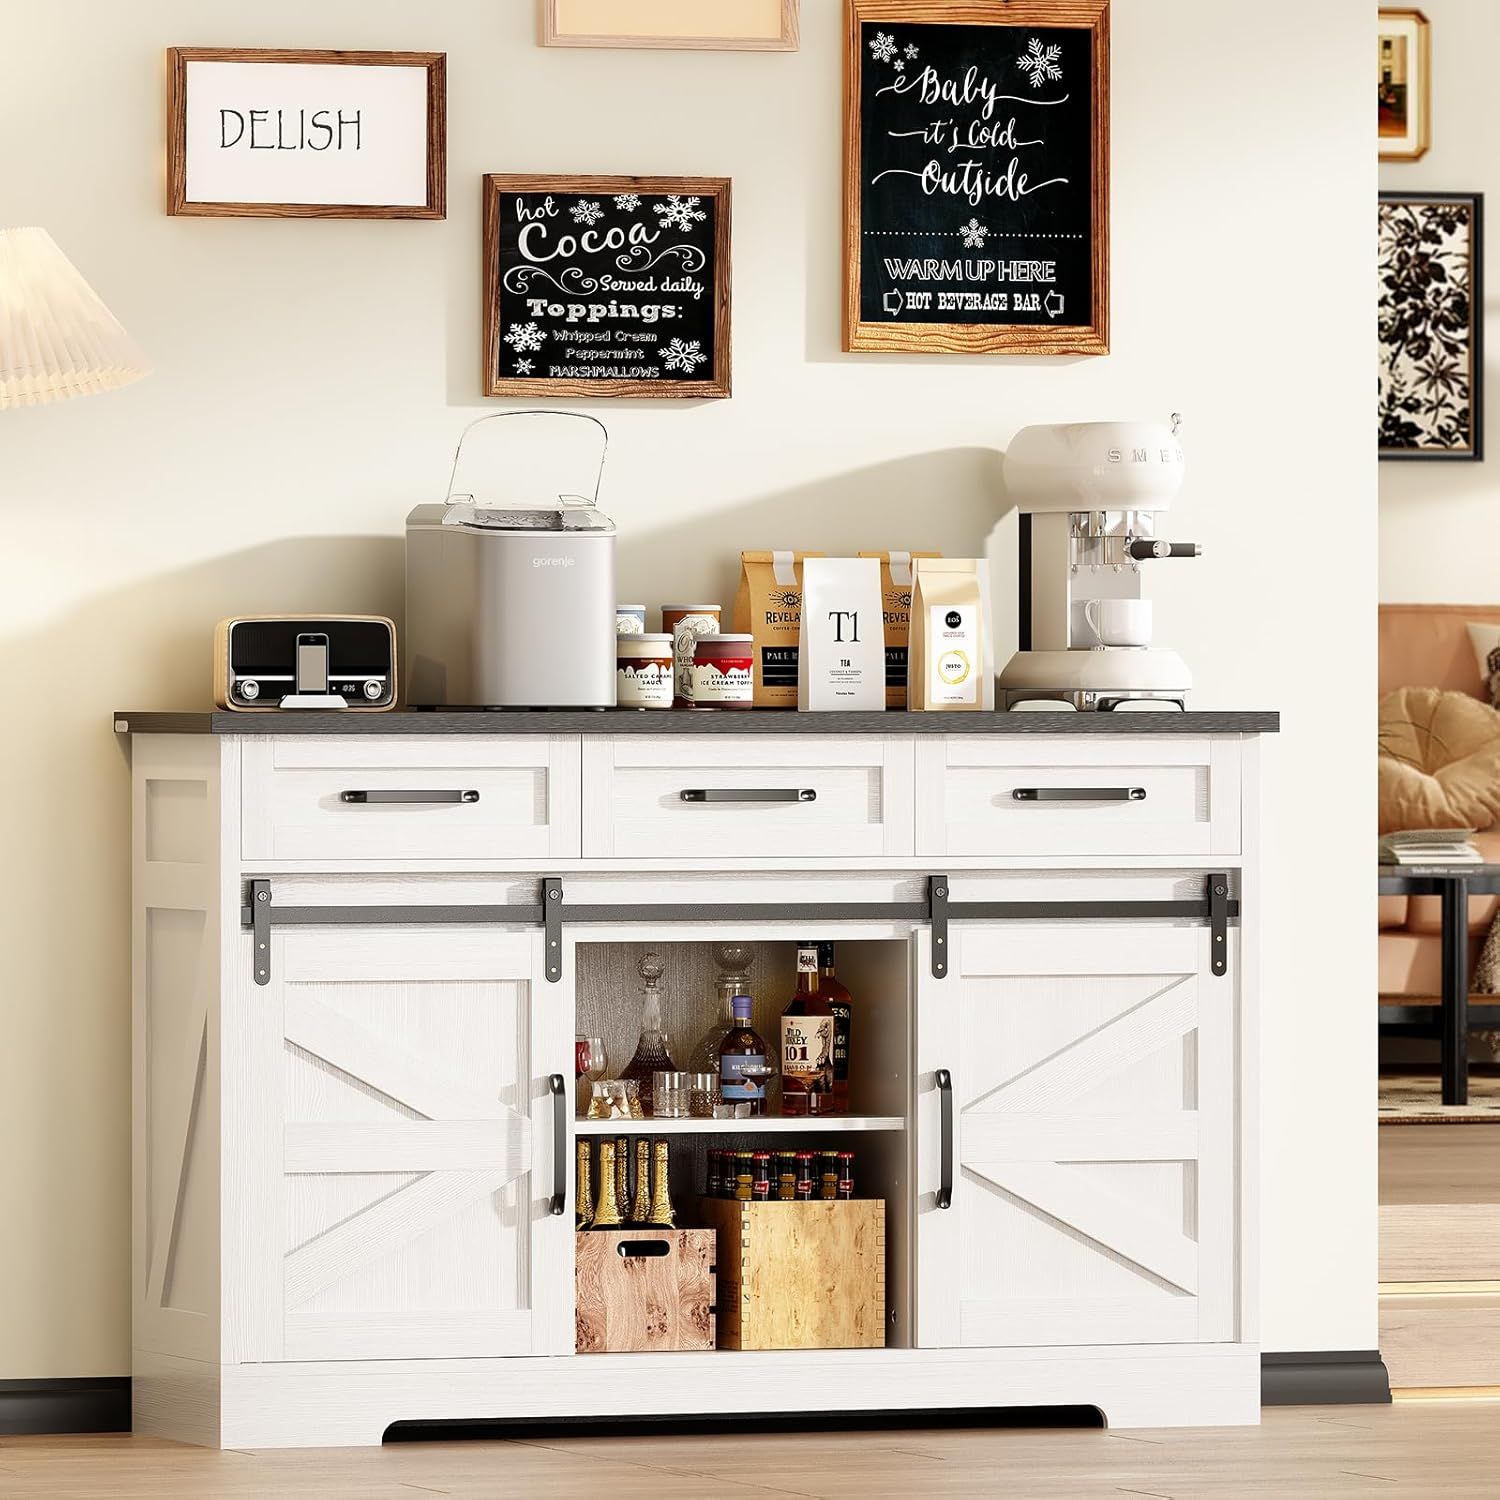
590	1059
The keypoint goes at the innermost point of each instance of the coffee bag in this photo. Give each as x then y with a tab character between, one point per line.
841	647
768	607
895	597
948	649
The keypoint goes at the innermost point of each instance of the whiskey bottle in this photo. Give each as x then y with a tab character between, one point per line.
640	1208
714	1185
583	1197
660	1214
653	1052
807	1043
841	1003
607	1215
744	1176
743	1065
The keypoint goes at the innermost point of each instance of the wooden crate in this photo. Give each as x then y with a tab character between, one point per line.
800	1275
632	1295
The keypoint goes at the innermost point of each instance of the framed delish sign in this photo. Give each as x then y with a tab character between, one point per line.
606	286
287	134
976	176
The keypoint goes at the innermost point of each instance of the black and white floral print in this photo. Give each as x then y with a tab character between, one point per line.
1428	380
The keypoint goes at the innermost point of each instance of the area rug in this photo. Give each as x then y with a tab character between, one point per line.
1415	1098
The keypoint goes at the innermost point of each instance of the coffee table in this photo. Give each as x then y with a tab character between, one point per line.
1453	885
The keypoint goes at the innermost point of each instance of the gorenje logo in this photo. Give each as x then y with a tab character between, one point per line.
553	562
953	619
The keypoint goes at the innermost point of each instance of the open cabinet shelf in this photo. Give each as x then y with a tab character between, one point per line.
764	1125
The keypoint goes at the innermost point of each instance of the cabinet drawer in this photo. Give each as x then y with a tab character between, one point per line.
725	797
1087	796
435	797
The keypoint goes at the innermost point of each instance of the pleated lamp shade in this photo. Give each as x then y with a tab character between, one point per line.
57	339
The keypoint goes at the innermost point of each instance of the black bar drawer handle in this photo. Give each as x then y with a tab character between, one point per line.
1079	793
423	794
748	794
642	1249
558	1089
944	1080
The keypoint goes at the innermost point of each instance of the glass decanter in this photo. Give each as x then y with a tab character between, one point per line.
734	960
653	1053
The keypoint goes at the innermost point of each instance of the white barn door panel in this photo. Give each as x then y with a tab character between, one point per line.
398	1175
1093	1156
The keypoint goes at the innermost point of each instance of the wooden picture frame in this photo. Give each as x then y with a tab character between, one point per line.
579	235
430	177
720	25
1403	82
1430	326
1051	330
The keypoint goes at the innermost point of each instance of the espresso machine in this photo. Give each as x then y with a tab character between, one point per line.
1090	496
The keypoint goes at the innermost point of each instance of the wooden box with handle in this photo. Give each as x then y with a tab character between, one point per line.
644	1290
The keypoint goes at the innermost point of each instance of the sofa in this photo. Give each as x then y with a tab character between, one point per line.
1427	645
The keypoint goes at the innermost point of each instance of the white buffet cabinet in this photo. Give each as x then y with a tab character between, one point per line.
350	1208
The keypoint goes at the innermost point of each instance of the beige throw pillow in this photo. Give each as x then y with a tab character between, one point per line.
1439	761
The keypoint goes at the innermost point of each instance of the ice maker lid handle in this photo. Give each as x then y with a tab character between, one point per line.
567	499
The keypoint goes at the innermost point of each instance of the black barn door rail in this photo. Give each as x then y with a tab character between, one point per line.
551	912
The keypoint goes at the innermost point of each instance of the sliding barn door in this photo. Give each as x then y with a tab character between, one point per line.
394	1158
1092	1140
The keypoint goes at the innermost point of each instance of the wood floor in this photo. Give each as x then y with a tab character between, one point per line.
1416	1448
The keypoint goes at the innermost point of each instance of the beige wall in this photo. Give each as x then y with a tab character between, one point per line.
1437	519
311	379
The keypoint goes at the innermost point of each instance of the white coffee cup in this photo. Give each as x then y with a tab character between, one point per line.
1119	622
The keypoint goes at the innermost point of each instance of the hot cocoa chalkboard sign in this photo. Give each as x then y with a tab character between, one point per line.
976	164
606	286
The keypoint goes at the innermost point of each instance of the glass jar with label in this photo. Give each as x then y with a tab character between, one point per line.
722	671
686	623
644	671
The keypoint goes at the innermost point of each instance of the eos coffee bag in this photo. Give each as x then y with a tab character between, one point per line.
895	597
948	652
841	652
768	607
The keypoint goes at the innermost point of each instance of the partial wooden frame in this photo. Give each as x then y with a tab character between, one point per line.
789	40
498	184
1422	71
436	64
978	338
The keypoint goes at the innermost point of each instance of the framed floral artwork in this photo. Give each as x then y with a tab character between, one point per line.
1431	325
1403	82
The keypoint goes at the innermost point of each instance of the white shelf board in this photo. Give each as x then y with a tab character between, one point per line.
755	1125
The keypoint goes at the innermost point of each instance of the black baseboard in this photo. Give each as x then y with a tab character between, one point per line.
43	1406
1351	1377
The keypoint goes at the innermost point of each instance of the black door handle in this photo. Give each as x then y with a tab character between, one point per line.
559	1143
748	794
422	794
944	1080
1079	793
